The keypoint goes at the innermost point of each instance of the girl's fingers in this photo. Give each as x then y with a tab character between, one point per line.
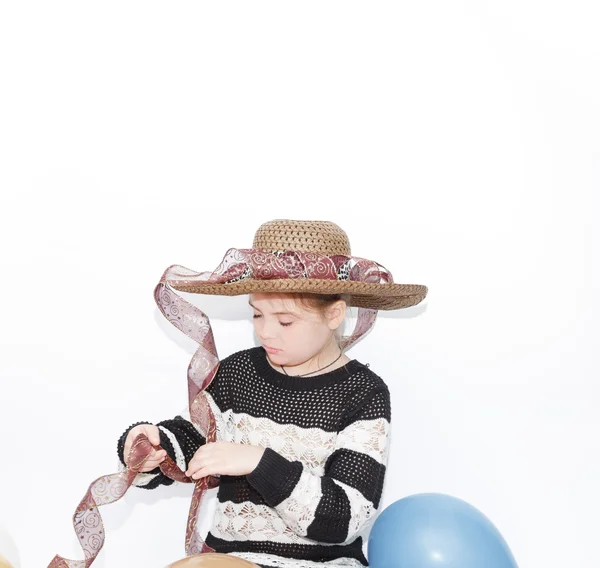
154	455
153	460
151	465
152	434
193	466
157	457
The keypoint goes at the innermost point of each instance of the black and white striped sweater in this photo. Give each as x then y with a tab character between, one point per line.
315	493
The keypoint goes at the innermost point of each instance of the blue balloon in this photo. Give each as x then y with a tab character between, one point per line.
431	530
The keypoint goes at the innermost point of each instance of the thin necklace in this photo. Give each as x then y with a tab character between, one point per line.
312	372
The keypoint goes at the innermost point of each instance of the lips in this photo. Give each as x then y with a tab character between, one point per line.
271	350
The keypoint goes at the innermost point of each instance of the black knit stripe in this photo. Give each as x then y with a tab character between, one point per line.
186	434
248	392
352	468
237	490
311	552
357	470
275	476
371	406
332	516
161	479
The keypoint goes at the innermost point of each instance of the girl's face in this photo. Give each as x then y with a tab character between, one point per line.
290	333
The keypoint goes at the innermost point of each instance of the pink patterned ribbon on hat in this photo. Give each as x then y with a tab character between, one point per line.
240	264
237	265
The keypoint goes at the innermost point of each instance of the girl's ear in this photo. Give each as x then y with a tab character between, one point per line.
336	314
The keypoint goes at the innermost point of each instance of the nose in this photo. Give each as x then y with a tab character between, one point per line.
264	335
265	330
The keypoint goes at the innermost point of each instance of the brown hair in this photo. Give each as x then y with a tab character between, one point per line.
316	302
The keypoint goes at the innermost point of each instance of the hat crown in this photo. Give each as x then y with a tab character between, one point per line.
323	237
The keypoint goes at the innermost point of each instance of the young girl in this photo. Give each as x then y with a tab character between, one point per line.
302	430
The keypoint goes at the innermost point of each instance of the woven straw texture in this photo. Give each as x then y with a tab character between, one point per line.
323	237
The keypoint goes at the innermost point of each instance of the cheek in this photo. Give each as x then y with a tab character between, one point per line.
258	325
319	335
288	333
304	337
291	337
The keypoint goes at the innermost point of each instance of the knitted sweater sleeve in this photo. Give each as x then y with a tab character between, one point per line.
334	507
179	437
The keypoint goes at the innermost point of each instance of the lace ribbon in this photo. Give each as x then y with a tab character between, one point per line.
237	265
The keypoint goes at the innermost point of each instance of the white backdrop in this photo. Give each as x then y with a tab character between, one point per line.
456	143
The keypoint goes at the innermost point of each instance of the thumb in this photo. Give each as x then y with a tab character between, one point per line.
153	435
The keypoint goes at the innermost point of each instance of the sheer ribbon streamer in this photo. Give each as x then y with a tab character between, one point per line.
237	265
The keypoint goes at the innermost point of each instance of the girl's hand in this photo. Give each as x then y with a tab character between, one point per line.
224	458
152	432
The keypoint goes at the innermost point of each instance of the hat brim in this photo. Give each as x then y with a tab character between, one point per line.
361	294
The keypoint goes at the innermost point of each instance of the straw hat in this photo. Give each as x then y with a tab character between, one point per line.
302	256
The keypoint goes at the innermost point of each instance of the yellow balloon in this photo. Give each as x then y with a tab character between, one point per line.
212	560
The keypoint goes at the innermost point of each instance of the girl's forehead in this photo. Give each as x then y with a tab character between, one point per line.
274	301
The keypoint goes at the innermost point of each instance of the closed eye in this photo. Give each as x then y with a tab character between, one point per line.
282	323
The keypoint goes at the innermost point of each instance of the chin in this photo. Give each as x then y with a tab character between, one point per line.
277	358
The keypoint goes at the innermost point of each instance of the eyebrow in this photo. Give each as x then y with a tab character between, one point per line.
276	313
